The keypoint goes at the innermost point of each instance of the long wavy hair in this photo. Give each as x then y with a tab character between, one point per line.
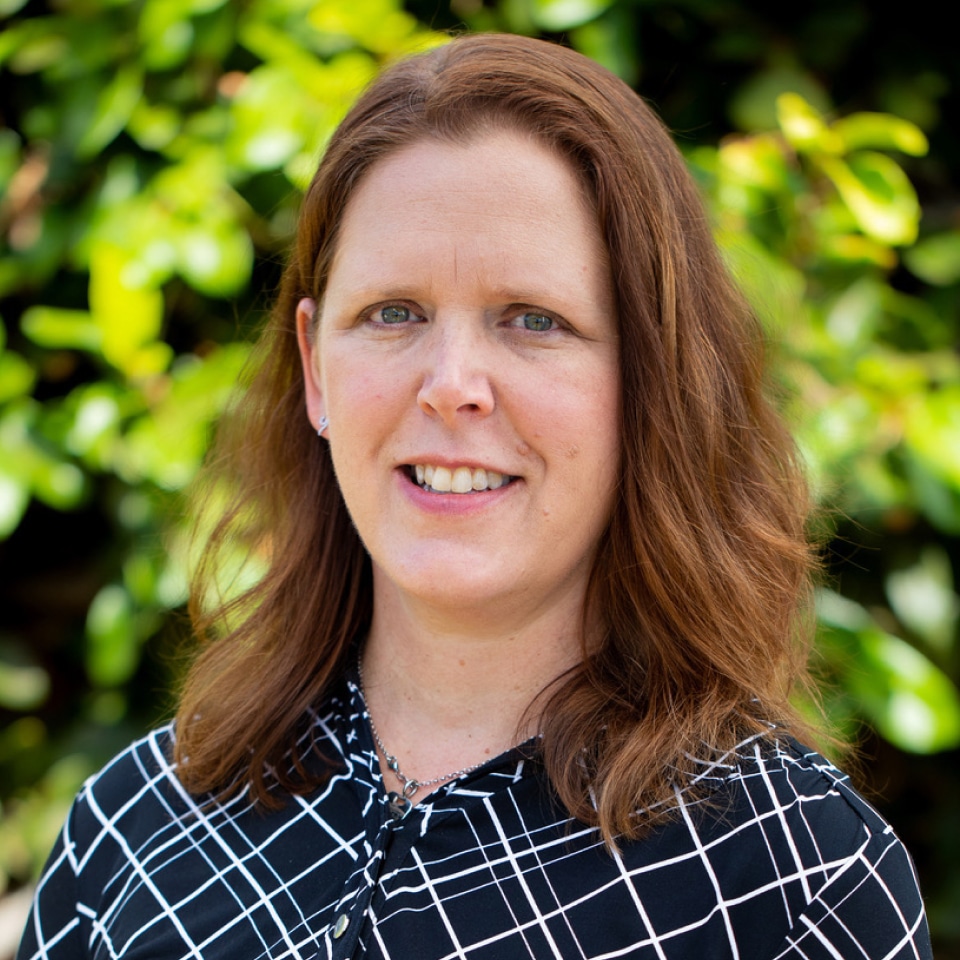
701	581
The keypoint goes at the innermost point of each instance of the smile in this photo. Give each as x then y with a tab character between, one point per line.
457	479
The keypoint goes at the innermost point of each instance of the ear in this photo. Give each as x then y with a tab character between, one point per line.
306	340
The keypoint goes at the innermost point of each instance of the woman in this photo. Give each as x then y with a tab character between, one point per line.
515	679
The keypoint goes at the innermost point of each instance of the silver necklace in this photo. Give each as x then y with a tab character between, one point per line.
400	803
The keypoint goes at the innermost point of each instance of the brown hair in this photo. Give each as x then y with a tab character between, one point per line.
702	577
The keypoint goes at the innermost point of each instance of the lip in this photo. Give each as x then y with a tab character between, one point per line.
451	504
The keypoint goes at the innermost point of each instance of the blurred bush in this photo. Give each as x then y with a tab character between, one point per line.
151	158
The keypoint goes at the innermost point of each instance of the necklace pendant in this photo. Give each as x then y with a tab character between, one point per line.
398	806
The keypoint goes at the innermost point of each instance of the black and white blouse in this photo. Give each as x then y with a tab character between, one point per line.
784	861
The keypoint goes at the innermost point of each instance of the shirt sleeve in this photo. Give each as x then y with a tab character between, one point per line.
871	909
54	929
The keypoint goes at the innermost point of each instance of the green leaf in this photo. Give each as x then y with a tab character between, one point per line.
95	414
127	312
909	700
60	329
559	15
854	316
936	259
58	483
166	34
113	110
923	598
803	126
756	105
167	446
9	7
17	377
24	684
878	194
932	429
113	648
609	39
216	261
14	499
881	131
33	45
381	26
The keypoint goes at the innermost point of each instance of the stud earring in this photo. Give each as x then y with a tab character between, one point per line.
322	424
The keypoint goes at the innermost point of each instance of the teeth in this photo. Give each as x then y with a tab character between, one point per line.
462	480
458	480
442	478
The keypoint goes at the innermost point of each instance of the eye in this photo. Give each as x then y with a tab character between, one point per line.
536	322
394	313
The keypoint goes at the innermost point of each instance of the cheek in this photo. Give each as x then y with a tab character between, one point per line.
356	390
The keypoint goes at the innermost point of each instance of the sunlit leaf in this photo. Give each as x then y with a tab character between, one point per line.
14	498
608	39
559	15
754	107
113	110
58	483
31	45
24	684
381	26
127	313
94	420
58	328
17	377
757	160
216	260
267	116
113	650
879	195
900	691
933	495
922	596
154	126
936	259
166	33
853	248
854	316
10	7
932	429
880	131
168	445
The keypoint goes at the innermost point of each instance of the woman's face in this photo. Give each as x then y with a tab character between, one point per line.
466	356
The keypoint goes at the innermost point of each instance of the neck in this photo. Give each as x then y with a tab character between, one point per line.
447	695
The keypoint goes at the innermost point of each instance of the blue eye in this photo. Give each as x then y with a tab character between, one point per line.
394	314
536	322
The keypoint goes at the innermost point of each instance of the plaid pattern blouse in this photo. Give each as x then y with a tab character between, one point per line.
785	861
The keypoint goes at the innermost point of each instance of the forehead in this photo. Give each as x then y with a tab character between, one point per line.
501	197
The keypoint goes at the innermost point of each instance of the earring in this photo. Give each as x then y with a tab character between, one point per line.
322	424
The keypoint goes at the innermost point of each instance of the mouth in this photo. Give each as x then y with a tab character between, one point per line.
456	479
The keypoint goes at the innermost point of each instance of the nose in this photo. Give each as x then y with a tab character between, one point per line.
456	381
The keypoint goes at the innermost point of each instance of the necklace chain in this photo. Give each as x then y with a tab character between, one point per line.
410	784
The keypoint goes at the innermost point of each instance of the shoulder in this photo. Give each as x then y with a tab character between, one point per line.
139	791
134	795
798	825
780	775
789	795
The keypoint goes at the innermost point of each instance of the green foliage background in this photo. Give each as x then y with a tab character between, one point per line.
152	153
